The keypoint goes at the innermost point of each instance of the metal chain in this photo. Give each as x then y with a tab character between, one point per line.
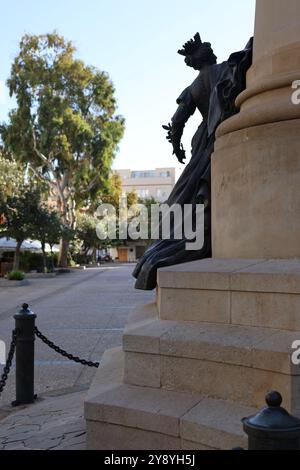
9	360
63	352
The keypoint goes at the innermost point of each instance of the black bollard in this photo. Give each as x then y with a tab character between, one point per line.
25	324
273	428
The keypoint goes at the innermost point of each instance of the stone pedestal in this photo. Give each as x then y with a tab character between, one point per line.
221	332
200	359
255	167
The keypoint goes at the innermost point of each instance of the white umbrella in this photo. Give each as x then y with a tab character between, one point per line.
36	245
7	243
11	244
30	245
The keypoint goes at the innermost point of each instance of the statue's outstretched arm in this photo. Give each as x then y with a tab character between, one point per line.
186	108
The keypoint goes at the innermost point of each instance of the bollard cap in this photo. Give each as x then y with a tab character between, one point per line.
25	311
273	416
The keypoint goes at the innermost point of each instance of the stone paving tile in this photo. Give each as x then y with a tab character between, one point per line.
51	423
85	313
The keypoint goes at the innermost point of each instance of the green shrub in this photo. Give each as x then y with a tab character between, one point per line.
31	261
72	263
55	257
16	276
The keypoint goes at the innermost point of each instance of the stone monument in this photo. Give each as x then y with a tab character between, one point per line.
212	94
258	149
220	335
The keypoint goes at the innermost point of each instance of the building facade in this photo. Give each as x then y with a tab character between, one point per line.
156	184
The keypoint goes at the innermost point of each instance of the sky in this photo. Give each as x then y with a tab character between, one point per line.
136	42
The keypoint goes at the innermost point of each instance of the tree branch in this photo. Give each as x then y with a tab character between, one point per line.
41	177
42	156
90	185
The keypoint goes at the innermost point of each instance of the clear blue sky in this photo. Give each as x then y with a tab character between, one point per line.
136	42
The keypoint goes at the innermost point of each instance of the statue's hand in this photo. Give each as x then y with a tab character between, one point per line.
168	128
177	146
178	149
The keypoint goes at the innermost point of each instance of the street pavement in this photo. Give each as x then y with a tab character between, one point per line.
83	312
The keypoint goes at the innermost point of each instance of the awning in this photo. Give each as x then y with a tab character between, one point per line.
7	244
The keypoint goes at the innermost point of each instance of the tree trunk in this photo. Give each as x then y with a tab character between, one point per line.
52	259
17	256
44	258
94	255
63	254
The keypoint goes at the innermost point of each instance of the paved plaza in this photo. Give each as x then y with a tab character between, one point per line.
84	312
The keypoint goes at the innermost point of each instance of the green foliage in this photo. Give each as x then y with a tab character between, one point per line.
148	202
86	232
112	193
16	276
31	261
12	176
86	228
20	211
47	227
24	216
132	199
64	124
67	233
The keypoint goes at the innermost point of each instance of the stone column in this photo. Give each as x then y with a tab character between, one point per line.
256	163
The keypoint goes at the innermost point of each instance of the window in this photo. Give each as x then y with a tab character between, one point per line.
164	174
143	174
143	193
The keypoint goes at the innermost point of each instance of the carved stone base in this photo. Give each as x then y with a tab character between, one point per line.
255	195
195	364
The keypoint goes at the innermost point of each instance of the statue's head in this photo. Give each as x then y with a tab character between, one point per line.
197	53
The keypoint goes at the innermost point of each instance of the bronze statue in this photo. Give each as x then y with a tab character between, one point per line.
213	93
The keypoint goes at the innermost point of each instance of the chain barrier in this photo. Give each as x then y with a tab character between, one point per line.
64	353
9	360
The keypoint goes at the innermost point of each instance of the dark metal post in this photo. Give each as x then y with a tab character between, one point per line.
25	324
272	428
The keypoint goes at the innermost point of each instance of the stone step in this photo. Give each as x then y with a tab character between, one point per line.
109	374
262	293
195	357
126	417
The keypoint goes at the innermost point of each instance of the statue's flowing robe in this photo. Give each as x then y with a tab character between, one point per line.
219	86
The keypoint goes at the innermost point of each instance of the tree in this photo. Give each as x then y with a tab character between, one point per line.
148	203
64	125
46	228
112	193
19	211
86	232
12	176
